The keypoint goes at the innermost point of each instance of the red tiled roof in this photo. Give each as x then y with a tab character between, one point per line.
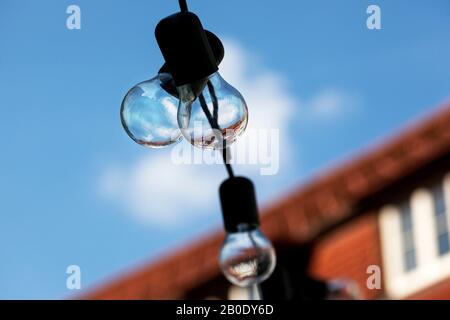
299	217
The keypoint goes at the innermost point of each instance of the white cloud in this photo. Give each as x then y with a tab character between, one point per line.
163	194
270	104
158	192
330	104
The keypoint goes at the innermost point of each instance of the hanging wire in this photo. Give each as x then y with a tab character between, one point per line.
225	153
212	119
226	162
212	93
183	5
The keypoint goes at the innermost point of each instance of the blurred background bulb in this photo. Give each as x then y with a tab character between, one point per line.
149	112
247	257
342	289
211	101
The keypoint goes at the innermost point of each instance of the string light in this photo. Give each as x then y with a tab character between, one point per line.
188	98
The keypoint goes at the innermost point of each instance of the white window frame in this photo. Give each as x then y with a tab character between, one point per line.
430	266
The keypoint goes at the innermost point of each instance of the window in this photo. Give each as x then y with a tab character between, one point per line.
409	251
440	214
415	239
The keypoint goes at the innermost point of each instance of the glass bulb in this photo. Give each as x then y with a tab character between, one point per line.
247	257
149	112
343	289
211	113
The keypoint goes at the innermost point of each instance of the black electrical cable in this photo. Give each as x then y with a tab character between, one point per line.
213	123
183	5
225	161
212	119
213	95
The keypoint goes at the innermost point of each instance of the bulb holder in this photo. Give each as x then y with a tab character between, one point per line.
239	207
216	46
184	45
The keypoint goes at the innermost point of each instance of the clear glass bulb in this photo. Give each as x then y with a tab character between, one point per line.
343	289
211	112
247	257
149	112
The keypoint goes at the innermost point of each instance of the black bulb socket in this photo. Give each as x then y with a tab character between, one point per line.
239	207
185	47
216	46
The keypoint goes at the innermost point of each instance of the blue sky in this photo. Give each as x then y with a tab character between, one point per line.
76	190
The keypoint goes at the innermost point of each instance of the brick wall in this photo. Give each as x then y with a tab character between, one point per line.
348	251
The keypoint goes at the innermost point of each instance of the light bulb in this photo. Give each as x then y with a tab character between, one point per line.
342	289
212	113
247	257
149	112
